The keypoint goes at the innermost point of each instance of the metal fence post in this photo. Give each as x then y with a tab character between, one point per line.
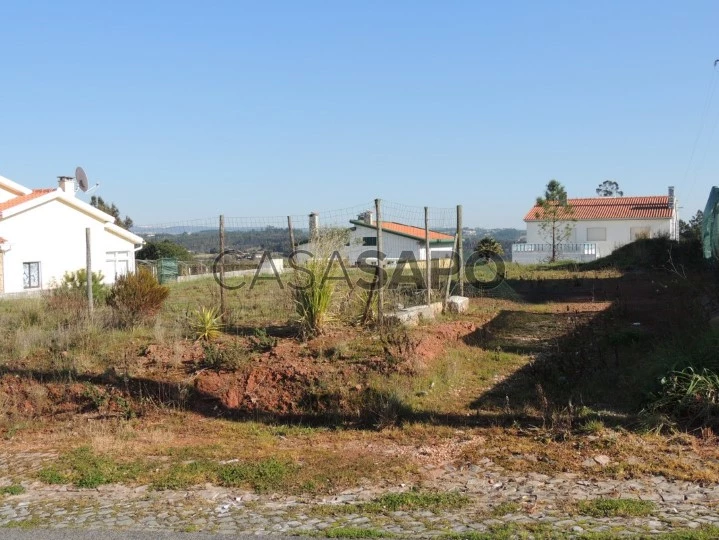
380	263
88	269
427	257
460	250
292	238
223	305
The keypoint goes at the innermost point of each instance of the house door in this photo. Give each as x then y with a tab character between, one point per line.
2	274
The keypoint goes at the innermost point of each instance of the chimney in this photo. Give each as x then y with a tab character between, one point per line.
366	217
67	185
314	224
671	197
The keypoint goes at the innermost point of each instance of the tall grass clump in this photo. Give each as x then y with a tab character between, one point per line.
136	298
688	396
312	287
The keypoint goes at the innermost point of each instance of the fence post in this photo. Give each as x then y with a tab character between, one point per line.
427	257
449	280
380	263
88	270
292	239
223	305
460	250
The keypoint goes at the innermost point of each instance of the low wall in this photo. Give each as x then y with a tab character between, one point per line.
265	269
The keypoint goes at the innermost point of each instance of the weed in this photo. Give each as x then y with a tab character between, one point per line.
14	489
85	469
505	508
382	409
592	427
261	342
406	501
616	507
262	476
354	532
690	395
228	357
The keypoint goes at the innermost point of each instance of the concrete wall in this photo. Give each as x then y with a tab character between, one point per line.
618	232
53	234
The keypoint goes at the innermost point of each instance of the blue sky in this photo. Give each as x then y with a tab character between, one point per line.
187	110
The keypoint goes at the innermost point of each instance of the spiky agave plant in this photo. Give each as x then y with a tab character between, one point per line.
207	324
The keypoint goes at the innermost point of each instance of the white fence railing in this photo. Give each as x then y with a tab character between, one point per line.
537	253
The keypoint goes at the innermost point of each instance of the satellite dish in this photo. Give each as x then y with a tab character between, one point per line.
81	178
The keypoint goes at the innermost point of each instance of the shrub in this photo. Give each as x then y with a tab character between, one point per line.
262	342
207	324
77	281
136	298
230	357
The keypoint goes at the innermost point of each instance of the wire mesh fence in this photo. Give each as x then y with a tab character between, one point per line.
379	257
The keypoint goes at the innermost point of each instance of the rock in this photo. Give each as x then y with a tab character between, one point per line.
457	304
602	460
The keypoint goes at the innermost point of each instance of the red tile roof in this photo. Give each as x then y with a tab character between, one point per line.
2	240
654	207
24	198
409	230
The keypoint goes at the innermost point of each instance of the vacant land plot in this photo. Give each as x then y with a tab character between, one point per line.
529	413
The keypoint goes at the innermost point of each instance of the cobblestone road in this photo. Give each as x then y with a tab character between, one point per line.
531	499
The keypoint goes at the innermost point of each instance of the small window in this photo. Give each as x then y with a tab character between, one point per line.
31	275
596	234
118	263
639	233
369	241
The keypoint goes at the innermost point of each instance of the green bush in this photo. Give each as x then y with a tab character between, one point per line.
77	281
136	298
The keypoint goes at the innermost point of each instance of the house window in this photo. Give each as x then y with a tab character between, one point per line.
596	234
638	233
369	241
118	263
31	275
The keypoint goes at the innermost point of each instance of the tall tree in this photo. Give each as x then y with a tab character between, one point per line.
609	188
113	210
554	214
693	229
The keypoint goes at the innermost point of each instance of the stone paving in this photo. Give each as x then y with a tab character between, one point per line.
532	499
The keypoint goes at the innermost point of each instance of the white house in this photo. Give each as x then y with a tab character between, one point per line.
599	225
42	236
398	240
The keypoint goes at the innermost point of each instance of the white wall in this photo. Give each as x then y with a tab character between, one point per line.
393	245
618	232
54	235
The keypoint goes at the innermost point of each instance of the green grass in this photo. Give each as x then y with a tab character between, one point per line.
543	532
353	532
392	502
29	523
14	489
85	469
505	508
262	476
616	508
